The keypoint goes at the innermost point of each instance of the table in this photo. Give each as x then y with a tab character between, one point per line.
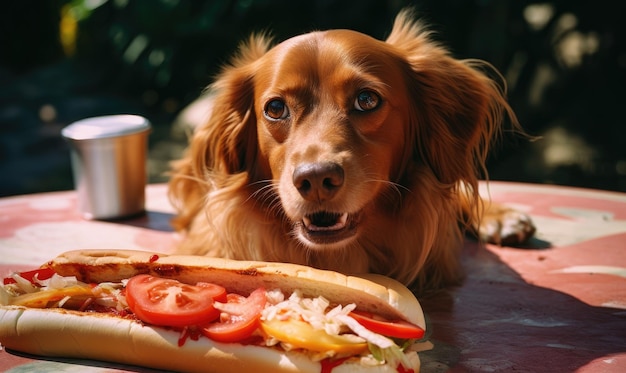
557	306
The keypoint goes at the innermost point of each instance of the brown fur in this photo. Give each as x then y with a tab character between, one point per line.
410	166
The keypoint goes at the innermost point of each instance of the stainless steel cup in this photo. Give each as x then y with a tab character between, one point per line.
109	164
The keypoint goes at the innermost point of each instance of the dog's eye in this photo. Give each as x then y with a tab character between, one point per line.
366	100
276	110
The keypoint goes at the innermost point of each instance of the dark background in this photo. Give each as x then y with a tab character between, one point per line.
61	61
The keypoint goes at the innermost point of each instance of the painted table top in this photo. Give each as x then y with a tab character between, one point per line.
556	306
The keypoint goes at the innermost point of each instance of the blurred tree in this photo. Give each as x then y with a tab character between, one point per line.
29	34
564	61
169	50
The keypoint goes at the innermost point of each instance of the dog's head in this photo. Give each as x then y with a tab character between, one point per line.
332	128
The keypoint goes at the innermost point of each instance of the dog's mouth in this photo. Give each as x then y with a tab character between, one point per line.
325	227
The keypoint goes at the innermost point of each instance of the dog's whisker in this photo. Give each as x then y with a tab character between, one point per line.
275	209
267	196
263	192
398	188
266	182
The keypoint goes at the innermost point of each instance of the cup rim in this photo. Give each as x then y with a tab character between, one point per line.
106	126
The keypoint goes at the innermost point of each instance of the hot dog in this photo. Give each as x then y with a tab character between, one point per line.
187	313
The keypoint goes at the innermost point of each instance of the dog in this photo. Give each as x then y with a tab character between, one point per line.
343	152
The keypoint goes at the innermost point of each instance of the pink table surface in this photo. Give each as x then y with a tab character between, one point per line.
557	306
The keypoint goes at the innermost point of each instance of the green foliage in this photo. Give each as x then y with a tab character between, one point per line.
564	61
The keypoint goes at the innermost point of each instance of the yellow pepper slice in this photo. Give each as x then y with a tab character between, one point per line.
44	298
301	334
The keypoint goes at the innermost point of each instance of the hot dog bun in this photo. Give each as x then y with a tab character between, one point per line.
66	333
374	293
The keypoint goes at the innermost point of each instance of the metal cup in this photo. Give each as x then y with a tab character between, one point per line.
109	165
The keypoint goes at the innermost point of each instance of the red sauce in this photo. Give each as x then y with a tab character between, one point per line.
329	364
402	369
253	340
98	308
188	333
184	334
154	258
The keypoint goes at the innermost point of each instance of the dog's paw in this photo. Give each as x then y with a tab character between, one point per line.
506	227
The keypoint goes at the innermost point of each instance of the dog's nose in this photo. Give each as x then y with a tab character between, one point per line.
318	181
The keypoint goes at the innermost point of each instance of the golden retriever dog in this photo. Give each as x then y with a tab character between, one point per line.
343	152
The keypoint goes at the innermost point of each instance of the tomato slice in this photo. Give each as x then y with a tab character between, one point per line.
167	302
394	329
240	317
301	334
219	293
42	274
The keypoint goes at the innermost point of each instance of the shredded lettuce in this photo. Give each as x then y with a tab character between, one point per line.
311	310
335	321
392	355
23	285
5	296
60	291
371	337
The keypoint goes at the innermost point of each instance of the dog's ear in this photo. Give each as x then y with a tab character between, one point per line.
224	147
227	143
457	109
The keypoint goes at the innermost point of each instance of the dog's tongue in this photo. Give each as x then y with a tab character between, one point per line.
325	221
